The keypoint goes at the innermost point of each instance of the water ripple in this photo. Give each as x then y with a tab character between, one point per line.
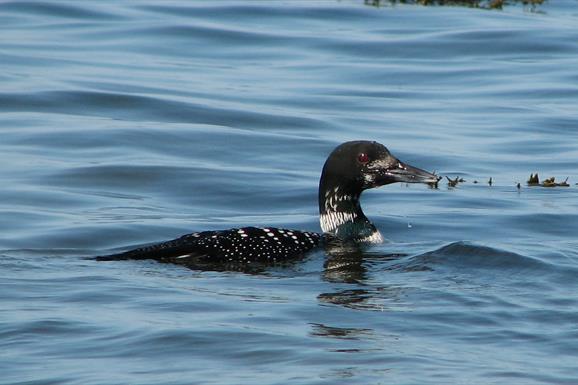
129	123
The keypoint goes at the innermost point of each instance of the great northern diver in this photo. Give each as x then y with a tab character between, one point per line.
349	170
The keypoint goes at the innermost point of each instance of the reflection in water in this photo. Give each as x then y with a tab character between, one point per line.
346	263
251	267
352	340
378	298
322	330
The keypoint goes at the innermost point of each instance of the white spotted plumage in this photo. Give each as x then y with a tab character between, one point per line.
245	244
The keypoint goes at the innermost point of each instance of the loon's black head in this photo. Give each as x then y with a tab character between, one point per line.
351	168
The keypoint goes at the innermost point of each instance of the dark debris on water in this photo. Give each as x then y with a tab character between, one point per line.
533	180
454	182
482	4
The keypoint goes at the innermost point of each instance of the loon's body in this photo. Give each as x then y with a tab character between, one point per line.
242	245
349	170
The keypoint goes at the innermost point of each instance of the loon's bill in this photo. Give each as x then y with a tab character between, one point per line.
350	169
405	173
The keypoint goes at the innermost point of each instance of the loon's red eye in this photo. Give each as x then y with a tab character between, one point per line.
363	158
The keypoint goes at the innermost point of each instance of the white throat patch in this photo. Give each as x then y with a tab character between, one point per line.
332	220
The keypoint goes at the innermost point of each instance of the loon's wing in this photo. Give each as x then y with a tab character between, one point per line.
243	245
160	251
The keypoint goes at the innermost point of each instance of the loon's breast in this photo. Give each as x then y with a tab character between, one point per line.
241	245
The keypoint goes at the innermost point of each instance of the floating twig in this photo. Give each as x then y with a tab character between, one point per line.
533	180
453	182
551	182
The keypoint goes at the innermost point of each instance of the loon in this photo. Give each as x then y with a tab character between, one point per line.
350	169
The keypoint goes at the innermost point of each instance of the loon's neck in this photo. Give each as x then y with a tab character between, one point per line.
340	214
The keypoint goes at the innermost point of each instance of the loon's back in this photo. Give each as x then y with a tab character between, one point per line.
239	246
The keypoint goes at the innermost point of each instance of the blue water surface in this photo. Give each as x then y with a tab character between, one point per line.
125	123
